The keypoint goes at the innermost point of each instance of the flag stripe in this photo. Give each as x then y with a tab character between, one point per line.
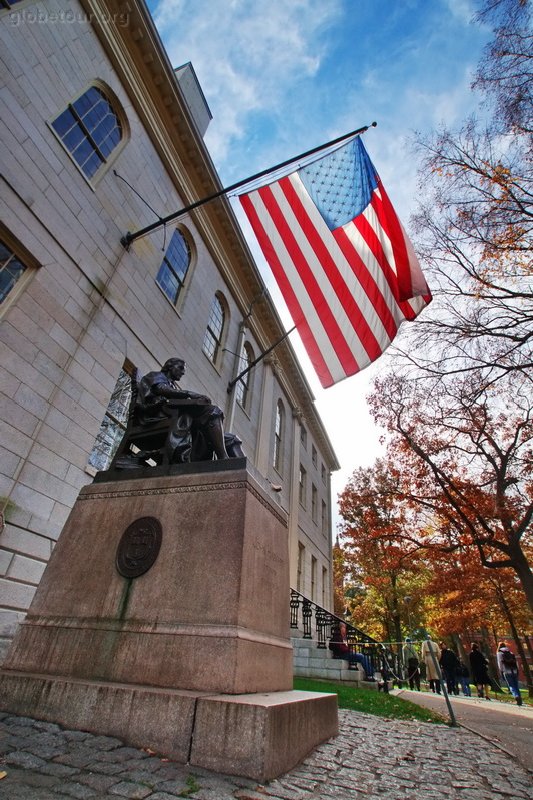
350	328
390	221
331	265
299	318
287	239
348	288
357	250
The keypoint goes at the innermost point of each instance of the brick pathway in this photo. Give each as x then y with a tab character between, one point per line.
372	758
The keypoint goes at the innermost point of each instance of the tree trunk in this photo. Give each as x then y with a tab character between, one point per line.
527	640
516	636
523	570
489	653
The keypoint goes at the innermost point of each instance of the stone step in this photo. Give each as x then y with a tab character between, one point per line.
311	661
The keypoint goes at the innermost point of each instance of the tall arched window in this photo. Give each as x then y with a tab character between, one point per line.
242	388
90	129
114	422
215	329
174	267
278	436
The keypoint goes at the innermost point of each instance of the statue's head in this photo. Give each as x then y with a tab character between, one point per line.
172	363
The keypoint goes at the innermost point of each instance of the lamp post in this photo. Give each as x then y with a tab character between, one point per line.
407	600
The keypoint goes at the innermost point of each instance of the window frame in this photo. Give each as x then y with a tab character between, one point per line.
314	503
302	486
324	518
216	357
29	263
127	370
118	111
183	282
314	575
243	387
279	434
300	568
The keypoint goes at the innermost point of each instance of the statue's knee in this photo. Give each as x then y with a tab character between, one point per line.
233	445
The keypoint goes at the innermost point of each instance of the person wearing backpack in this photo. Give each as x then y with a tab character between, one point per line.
508	667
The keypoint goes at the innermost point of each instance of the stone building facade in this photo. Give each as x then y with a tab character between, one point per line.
93	118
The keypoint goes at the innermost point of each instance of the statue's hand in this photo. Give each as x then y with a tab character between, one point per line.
202	397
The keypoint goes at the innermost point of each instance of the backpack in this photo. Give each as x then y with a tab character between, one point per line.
509	660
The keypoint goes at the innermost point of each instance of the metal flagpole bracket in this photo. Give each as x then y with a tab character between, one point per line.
256	361
129	237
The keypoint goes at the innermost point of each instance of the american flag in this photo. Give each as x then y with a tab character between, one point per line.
341	258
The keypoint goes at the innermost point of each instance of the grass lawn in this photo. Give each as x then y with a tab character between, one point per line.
505	697
370	701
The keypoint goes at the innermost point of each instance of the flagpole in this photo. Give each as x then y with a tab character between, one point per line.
129	237
250	366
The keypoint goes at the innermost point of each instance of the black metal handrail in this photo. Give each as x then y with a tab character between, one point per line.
325	622
382	659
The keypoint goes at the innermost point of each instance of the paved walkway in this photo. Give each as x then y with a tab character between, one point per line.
505	724
372	758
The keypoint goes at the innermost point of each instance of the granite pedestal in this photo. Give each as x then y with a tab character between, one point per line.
202	635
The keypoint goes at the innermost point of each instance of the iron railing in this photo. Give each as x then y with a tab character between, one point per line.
318	624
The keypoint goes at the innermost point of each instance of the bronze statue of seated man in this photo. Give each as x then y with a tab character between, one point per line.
194	426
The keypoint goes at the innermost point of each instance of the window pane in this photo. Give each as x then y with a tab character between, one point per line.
174	268
113	424
73	138
64	122
89	129
106	444
215	326
168	282
91	165
11	269
278	437
241	390
210	345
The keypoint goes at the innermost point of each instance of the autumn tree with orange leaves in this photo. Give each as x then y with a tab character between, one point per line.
464	469
379	559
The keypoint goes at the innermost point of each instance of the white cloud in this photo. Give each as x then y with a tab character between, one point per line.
248	56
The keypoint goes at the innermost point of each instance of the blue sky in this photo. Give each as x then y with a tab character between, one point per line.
282	76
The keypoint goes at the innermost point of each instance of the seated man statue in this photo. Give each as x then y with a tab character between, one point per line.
189	422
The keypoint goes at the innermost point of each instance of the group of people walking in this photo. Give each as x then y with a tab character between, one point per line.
455	672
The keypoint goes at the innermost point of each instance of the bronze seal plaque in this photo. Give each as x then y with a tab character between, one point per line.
139	547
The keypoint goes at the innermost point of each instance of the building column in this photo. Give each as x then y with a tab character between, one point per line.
294	500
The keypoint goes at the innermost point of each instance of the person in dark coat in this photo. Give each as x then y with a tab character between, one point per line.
479	671
463	678
449	664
